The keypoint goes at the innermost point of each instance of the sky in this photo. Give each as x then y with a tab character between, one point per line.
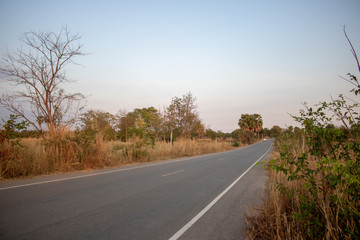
235	57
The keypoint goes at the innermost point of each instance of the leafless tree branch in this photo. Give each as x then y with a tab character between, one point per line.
352	49
39	73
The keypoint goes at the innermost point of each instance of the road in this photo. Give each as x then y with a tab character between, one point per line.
201	197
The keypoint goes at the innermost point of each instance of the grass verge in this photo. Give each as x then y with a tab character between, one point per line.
67	152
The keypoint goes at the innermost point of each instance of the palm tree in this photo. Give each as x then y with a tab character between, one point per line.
251	122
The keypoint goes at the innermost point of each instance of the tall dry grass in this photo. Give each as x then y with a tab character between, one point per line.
274	218
65	151
306	205
137	151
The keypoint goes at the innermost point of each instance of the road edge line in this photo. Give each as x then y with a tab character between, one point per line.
212	203
161	162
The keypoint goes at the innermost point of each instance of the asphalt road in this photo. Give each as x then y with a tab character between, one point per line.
202	197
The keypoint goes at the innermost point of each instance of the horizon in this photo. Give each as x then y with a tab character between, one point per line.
234	57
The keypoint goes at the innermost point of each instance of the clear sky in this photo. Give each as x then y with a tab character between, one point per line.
236	57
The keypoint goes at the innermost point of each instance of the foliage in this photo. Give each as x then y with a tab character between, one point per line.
326	164
275	131
265	132
251	125
179	120
211	134
99	122
251	122
11	128
183	118
144	123
236	144
126	124
148	122
314	184
10	146
244	136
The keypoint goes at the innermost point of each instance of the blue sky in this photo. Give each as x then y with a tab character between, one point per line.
236	57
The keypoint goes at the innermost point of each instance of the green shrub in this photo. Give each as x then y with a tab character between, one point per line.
324	164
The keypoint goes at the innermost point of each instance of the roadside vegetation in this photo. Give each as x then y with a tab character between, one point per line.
104	140
50	130
313	189
101	139
35	156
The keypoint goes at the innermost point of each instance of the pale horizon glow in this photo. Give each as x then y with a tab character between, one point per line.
235	57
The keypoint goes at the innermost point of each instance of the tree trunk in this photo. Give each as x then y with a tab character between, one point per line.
171	135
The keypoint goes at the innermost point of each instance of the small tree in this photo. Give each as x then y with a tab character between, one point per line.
275	131
190	118
101	122
38	74
126	122
10	129
174	113
211	134
182	117
148	121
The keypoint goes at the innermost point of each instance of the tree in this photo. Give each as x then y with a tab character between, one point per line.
265	132
190	118
183	118
211	134
198	129
101	122
174	113
11	128
275	131
145	123
148	120
39	73
251	122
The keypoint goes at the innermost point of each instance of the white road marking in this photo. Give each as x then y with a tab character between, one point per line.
172	173
87	175
200	214
107	172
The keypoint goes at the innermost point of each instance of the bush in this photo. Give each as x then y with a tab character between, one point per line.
316	177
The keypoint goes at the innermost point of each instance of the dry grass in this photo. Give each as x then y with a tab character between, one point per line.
136	151
274	219
64	152
278	216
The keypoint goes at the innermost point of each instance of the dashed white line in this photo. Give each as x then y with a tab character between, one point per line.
165	175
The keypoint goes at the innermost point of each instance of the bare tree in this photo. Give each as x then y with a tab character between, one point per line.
38	74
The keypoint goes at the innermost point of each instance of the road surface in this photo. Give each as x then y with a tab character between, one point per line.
202	197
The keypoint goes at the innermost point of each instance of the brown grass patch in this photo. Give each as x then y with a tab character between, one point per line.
64	152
